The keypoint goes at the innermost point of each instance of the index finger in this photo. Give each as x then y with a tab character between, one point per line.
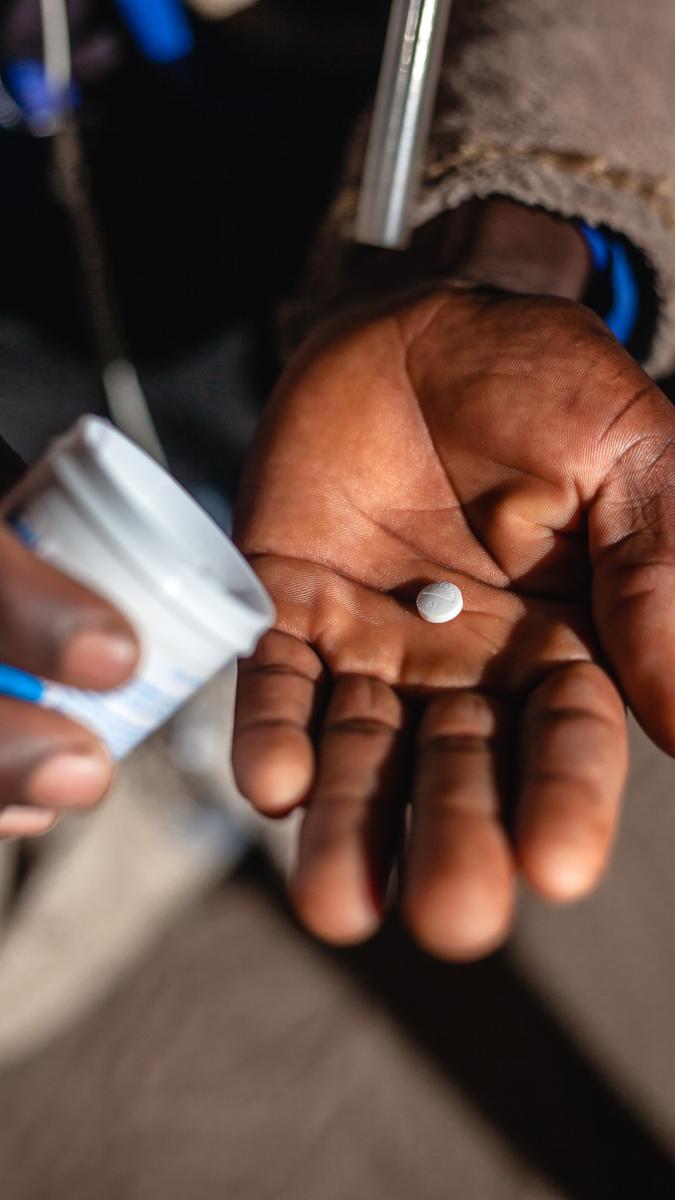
52	626
278	691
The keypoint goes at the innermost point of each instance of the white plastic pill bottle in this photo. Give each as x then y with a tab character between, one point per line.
105	513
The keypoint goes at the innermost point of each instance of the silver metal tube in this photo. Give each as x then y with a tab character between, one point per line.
404	103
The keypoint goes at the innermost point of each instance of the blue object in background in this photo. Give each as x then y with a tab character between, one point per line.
20	685
41	102
160	28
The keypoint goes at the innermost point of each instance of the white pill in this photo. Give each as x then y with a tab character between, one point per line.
440	602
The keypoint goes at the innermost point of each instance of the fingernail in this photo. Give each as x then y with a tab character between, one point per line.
19	820
100	657
70	779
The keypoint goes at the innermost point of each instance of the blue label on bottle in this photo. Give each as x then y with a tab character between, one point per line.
21	529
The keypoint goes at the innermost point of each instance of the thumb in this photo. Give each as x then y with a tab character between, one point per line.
52	626
632	545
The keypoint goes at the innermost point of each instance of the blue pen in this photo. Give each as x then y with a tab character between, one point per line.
20	685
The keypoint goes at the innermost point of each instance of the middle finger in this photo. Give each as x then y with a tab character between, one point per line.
352	826
458	891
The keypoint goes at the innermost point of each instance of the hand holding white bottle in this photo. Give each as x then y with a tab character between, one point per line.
101	511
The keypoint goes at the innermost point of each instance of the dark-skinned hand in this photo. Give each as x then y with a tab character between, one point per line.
509	445
52	627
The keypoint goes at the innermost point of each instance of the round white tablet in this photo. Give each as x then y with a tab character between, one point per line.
440	602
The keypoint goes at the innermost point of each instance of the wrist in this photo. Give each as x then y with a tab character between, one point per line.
501	244
494	243
491	243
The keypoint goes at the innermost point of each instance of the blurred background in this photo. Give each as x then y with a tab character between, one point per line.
210	175
166	1030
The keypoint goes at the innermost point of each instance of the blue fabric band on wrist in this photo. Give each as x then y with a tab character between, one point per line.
609	256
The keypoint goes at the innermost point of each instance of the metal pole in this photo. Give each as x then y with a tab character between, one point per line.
406	92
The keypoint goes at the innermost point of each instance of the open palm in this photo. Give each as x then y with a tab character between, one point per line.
512	447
